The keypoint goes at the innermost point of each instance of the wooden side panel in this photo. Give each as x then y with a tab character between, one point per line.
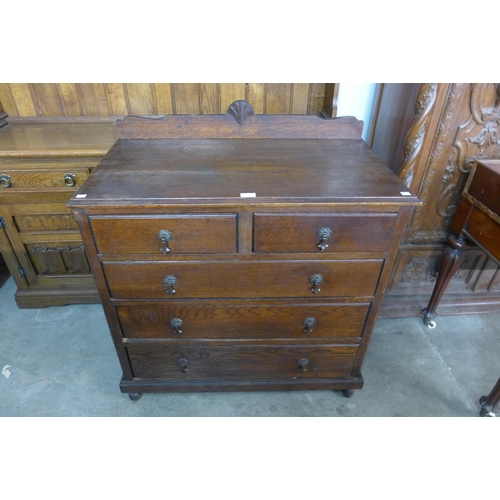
316	98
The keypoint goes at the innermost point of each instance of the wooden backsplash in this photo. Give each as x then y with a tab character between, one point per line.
72	100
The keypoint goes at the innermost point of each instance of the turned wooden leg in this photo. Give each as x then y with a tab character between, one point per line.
451	259
135	396
489	404
348	393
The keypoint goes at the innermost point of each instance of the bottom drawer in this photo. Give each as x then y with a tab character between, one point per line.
238	362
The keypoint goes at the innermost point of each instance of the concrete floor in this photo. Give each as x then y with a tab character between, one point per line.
62	363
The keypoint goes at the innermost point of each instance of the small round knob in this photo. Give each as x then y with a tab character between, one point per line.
164	236
183	363
176	324
170	282
322	235
5	181
69	179
316	280
309	323
302	364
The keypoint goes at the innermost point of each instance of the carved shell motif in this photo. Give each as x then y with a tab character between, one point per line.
240	111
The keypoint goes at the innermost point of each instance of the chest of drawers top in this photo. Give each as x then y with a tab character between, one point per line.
207	160
241	172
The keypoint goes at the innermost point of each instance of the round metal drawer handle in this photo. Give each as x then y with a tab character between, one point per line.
164	236
183	363
309	323
322	235
316	280
170	282
69	179
176	324
302	364
5	181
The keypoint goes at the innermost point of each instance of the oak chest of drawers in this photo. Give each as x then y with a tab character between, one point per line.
241	252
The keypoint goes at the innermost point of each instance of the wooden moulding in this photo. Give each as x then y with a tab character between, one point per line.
239	122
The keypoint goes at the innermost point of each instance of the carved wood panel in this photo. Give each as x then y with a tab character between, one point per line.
467	131
57	259
454	125
121	99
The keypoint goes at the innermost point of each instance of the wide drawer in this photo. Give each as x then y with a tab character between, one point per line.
248	321
237	362
242	279
42	179
340	233
183	234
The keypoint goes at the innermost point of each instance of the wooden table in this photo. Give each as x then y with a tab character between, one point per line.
478	220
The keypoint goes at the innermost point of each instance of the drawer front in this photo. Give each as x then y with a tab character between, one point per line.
256	321
268	279
183	234
236	362
341	233
42	179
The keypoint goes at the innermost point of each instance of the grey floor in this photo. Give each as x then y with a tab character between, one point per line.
60	361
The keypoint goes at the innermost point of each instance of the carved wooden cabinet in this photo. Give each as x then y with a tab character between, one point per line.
432	134
41	166
241	252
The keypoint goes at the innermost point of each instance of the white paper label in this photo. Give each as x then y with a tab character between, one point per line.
248	195
405	193
81	196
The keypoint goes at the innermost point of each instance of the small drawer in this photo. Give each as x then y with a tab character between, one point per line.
249	321
316	233
42	179
165	235
237	362
242	279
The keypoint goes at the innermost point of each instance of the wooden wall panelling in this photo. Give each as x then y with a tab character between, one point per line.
3	116
454	124
108	101
164	103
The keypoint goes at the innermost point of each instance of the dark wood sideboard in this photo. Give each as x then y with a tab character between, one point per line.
241	251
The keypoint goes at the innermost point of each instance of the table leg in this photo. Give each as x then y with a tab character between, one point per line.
451	259
489	403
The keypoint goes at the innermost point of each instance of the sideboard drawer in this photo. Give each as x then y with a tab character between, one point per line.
300	233
254	321
241	279
182	234
236	362
42	179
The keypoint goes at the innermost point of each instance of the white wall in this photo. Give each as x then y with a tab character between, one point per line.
358	99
